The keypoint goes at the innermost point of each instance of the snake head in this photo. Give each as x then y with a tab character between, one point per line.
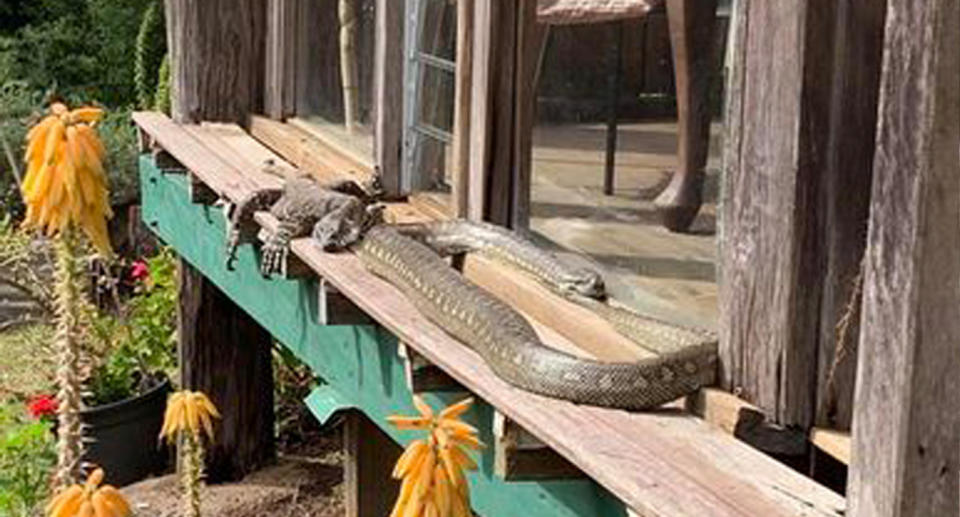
585	282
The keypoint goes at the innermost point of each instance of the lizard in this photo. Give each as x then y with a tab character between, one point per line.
340	199
411	258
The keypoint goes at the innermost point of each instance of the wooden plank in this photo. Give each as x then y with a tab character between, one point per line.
281	54
217	174
305	151
215	138
746	422
422	375
906	418
369	456
580	325
833	442
659	463
388	93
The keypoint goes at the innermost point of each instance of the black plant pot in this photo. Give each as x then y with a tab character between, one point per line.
124	436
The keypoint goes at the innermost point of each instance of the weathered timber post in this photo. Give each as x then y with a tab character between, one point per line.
507	42
217	52
217	58
801	105
906	428
369	458
226	354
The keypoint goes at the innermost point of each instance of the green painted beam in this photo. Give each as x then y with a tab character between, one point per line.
359	363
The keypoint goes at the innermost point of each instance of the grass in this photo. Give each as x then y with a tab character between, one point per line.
27	363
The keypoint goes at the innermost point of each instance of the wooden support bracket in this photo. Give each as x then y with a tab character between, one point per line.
520	456
333	308
746	421
422	375
166	162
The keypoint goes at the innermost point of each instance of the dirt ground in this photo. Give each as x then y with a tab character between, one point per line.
306	481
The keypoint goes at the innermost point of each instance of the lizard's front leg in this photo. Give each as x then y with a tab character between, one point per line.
277	248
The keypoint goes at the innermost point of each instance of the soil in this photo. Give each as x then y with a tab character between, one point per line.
307	480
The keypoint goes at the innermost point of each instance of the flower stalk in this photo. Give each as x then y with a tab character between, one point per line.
67	306
188	421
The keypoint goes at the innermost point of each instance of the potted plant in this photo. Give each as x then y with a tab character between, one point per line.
129	381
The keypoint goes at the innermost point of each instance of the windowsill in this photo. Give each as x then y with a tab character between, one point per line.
356	146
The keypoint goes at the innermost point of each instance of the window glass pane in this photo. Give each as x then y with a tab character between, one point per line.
669	275
321	92
437	87
432	158
430	82
438	30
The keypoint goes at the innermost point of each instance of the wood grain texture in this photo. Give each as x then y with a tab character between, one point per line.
217	58
906	421
795	187
369	456
281	58
833	442
461	114
388	93
846	196
225	354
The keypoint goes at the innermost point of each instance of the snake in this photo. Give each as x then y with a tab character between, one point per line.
685	360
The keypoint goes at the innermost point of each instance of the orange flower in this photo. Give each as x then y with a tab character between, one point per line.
188	411
65	182
89	500
434	484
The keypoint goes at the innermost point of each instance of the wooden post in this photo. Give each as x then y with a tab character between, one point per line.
281	58
506	48
906	429
461	114
795	85
369	459
349	80
226	354
217	58
388	92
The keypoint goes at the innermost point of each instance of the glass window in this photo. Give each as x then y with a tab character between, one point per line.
335	70
430	77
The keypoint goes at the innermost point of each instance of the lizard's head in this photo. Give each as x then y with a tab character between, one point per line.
585	283
335	234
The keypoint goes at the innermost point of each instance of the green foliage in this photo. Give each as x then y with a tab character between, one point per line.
120	138
140	346
162	102
18	104
79	48
27	456
151	49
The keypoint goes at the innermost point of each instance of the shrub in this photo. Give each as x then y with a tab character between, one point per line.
26	457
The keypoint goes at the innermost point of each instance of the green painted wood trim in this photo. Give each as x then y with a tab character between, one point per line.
359	361
325	401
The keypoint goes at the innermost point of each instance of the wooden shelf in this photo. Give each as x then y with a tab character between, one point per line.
659	463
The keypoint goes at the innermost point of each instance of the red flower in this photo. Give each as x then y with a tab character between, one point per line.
139	271
42	406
